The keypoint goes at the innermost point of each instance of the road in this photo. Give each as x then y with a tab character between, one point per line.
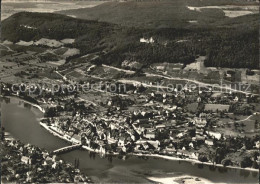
8	48
88	101
134	82
255	113
119	69
222	88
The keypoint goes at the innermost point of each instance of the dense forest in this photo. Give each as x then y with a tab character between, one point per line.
225	46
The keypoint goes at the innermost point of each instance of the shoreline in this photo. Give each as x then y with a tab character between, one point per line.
183	178
74	141
25	101
146	155
196	162
12	138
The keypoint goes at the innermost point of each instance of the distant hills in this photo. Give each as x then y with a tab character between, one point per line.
158	13
230	43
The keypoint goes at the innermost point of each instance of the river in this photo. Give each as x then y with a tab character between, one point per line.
21	120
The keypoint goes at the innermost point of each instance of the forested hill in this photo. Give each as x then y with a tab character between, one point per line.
32	26
228	45
162	13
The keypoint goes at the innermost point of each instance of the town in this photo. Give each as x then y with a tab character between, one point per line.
25	163
192	122
130	91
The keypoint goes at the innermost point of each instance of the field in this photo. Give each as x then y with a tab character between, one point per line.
216	107
118	44
230	10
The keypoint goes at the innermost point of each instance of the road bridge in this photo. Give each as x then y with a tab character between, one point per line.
67	148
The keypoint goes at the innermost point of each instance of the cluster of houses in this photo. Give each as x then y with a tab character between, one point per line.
172	123
27	163
139	130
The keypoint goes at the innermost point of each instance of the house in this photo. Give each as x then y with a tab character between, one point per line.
111	140
199	131
160	126
164	95
194	156
200	122
144	40
209	142
76	138
26	160
200	139
142	127
170	149
45	154
191	145
47	161
150	135
102	149
147	146
180	135
121	141
124	149
54	165
11	170
236	99
29	178
155	144
216	135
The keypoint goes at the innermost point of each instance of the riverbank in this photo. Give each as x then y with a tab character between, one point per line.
25	101
181	179
15	152
51	130
196	161
74	141
54	131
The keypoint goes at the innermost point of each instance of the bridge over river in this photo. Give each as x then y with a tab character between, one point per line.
67	148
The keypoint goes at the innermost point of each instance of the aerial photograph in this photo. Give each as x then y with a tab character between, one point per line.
130	91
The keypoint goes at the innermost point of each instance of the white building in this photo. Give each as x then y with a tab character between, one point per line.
143	40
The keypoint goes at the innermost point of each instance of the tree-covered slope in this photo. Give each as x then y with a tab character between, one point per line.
226	45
